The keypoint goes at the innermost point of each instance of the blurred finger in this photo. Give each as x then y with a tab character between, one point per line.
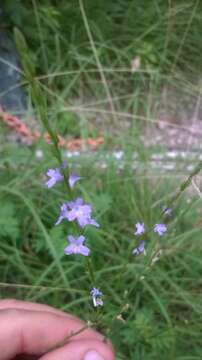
26	305
82	350
34	332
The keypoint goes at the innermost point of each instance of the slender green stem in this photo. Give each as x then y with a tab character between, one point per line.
185	184
40	103
39	99
67	338
91	272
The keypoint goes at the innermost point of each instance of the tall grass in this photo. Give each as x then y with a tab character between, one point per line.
162	32
151	308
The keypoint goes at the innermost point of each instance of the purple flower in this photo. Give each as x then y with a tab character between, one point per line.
76	246
55	176
80	212
140	249
166	210
63	213
77	210
96	295
73	178
160	229
139	229
95	292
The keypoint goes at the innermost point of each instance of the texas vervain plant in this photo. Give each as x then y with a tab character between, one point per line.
73	210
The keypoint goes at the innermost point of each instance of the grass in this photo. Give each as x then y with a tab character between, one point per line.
160	305
150	309
162	32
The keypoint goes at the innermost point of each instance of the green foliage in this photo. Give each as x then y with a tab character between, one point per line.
150	311
9	222
159	31
66	123
147	330
160	307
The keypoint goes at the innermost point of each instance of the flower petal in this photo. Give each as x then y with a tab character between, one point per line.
84	250
71	239
74	177
50	183
80	240
70	249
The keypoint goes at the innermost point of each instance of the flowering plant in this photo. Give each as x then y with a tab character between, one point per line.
80	214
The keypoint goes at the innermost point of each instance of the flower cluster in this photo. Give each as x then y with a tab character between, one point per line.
56	176
76	246
159	229
140	249
78	211
96	295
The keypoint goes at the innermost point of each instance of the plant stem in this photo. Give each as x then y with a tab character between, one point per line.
65	340
40	103
185	184
39	98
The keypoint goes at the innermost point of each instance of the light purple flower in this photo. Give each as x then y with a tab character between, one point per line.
73	178
55	176
76	246
160	229
167	211
96	295
139	229
63	213
96	292
80	212
77	210
139	249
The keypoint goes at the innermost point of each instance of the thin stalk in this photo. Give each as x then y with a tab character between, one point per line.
39	99
99	65
67	338
40	103
185	184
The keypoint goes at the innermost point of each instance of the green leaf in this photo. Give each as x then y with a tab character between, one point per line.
9	224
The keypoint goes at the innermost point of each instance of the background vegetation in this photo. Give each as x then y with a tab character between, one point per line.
83	53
